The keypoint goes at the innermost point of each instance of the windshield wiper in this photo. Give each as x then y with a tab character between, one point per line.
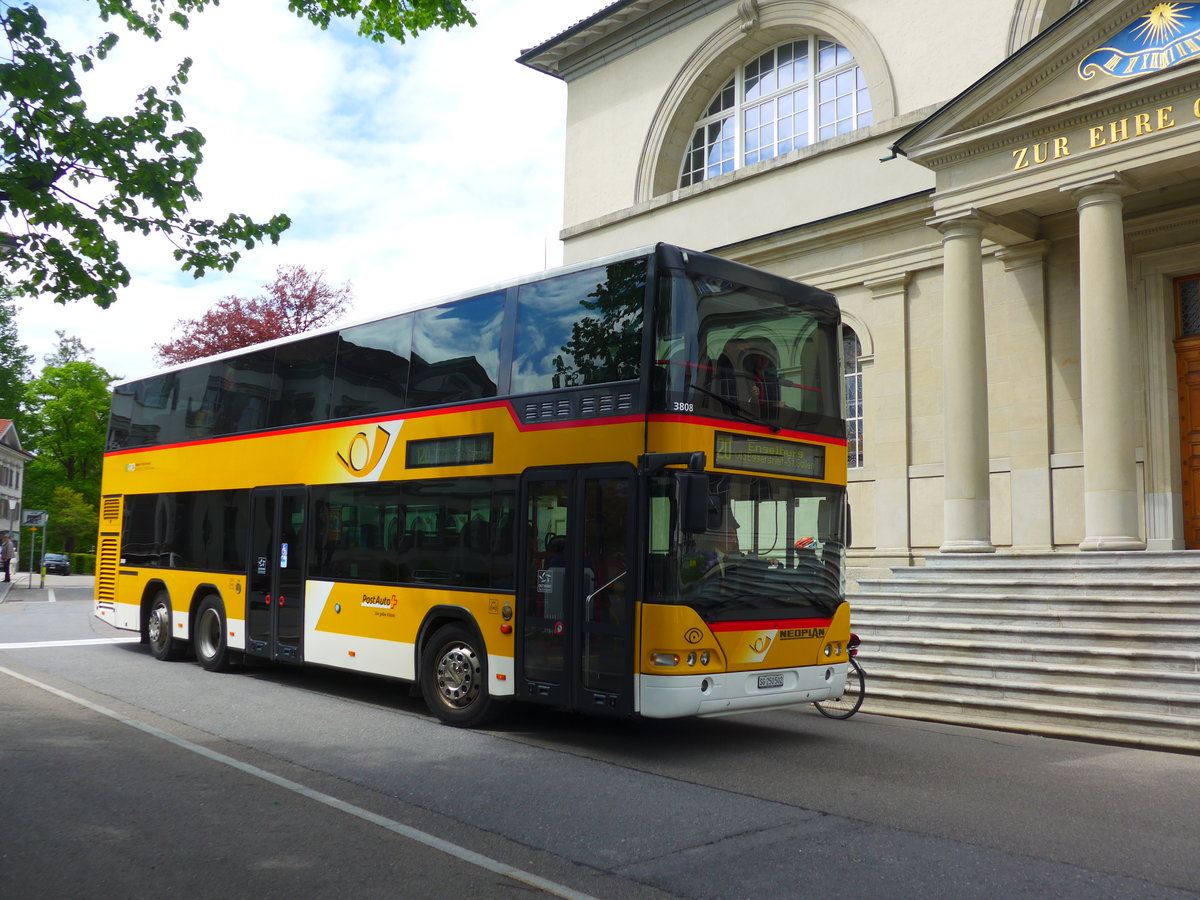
735	408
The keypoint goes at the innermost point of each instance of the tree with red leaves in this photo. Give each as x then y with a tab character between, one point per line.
295	302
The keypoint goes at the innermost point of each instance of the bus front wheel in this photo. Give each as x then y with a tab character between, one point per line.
163	643
211	638
454	678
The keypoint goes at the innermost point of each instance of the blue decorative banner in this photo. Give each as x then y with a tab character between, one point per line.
1168	34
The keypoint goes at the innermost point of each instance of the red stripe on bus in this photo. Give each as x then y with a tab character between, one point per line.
769	623
495	404
726	425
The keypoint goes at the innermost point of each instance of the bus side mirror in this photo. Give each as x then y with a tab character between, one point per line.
693	501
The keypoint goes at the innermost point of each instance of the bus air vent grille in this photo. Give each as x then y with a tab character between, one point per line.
110	508
108	553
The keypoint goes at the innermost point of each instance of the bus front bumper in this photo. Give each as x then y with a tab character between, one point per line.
673	696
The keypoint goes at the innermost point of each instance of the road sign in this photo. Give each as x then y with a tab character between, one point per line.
34	518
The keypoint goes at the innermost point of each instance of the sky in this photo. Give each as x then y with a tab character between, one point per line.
412	171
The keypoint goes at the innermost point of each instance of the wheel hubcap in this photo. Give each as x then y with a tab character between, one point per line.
158	625
458	676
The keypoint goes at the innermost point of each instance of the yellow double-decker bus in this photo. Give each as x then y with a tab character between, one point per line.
616	487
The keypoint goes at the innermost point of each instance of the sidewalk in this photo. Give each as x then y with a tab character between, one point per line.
23	588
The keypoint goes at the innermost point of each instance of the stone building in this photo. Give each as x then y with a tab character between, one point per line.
1005	197
12	478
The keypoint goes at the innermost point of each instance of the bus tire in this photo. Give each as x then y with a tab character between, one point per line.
211	637
159	628
454	678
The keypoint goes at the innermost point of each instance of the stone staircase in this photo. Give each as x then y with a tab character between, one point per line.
1095	646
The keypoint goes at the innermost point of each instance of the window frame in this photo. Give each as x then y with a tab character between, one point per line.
719	114
1187	285
852	387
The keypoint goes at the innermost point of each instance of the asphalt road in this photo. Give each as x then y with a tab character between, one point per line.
121	776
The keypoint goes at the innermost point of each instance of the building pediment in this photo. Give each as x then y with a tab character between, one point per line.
1112	88
1106	55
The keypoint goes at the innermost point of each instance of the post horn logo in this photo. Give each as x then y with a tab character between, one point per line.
363	454
760	644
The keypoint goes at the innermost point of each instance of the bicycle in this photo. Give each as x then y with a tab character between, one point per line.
845	706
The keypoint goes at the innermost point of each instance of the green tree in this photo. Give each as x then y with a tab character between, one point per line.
66	423
69	349
15	360
68	181
72	521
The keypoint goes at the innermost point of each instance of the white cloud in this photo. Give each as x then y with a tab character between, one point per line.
412	170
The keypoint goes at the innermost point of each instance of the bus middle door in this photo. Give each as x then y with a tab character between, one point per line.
577	589
275	599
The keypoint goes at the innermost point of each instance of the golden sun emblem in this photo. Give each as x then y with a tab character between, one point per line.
1162	23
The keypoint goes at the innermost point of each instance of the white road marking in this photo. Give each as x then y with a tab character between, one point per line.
414	834
79	643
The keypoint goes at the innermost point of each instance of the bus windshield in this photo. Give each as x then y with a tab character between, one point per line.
736	352
772	548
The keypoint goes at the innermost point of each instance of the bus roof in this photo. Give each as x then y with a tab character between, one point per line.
674	257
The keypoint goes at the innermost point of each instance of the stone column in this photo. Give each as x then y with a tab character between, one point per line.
967	503
1110	513
887	413
1023	382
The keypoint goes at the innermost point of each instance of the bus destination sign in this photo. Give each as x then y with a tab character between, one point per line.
757	454
465	450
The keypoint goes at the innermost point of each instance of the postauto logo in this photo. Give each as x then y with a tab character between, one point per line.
364	454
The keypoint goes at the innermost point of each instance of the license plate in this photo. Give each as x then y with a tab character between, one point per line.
774	680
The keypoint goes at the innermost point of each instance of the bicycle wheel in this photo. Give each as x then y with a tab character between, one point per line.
845	706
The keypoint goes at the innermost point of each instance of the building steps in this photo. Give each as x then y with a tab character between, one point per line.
1099	646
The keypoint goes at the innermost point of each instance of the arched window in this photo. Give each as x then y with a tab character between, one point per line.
852	376
791	96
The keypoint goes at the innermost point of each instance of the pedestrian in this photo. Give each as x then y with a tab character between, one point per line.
7	552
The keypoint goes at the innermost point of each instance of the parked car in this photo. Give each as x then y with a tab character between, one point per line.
56	563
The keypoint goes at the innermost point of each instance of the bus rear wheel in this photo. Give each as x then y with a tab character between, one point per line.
211	637
163	643
454	678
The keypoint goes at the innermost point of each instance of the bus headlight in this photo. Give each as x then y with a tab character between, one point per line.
664	659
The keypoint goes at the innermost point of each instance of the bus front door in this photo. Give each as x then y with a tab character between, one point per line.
275	599
577	588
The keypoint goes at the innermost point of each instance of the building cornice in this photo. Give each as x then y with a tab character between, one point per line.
618	29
